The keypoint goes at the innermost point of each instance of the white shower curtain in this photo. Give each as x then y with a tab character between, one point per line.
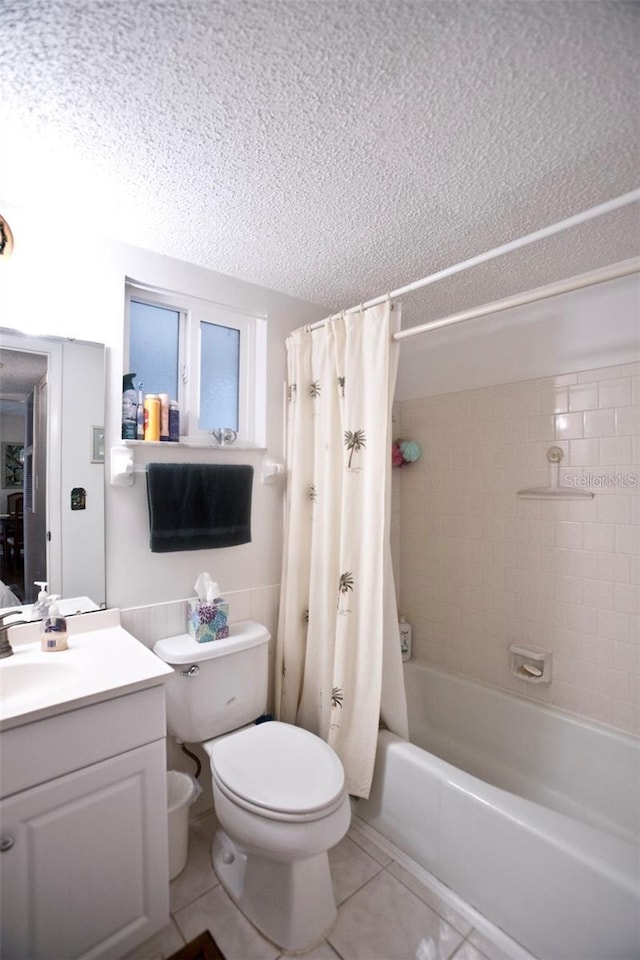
338	662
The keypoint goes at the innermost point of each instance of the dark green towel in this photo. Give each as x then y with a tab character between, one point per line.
197	506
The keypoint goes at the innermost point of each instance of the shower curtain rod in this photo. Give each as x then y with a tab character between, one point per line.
579	282
622	201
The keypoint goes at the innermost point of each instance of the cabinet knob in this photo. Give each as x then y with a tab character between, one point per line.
6	843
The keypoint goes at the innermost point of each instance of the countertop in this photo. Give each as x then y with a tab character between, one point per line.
102	661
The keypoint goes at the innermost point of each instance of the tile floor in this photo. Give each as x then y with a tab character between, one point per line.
389	908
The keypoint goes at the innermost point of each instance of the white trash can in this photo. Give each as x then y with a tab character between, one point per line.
182	791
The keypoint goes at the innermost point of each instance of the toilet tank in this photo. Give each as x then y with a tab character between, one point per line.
217	686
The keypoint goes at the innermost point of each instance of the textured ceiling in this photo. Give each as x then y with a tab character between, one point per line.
331	149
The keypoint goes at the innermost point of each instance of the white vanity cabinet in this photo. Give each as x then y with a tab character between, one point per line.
83	831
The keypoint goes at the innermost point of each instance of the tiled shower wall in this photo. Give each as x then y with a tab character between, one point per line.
479	569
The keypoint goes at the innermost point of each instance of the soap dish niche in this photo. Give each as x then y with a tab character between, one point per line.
534	666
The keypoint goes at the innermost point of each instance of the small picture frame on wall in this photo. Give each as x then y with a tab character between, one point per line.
12	465
97	444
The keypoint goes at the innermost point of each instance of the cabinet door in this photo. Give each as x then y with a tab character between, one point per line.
85	874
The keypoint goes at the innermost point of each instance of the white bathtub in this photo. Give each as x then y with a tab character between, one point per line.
531	816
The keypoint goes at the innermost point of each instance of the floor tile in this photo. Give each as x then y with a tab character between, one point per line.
216	912
322	952
386	921
468	952
492	951
437	903
369	846
351	868
160	946
198	876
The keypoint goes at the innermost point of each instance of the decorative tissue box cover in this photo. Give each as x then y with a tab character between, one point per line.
208	621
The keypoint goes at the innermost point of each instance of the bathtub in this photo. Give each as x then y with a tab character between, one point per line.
528	814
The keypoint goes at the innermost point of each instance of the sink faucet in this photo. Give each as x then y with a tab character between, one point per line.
5	646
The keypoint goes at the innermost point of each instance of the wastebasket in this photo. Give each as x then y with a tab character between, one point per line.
182	791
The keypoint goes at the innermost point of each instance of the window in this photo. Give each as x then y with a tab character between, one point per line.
219	375
210	357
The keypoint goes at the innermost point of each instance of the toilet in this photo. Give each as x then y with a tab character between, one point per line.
279	791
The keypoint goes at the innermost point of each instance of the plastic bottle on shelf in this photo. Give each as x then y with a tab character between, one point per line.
140	414
164	415
152	417
129	407
174	422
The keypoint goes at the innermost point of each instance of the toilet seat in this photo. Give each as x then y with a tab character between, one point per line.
278	771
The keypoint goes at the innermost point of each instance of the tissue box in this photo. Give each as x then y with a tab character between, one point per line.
207	621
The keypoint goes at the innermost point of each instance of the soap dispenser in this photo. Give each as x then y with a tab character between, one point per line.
40	608
54	629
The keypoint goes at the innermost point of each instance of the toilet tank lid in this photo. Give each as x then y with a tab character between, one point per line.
184	649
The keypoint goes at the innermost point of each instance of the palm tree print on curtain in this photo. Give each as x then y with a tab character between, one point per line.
337	699
354	441
335	554
346	584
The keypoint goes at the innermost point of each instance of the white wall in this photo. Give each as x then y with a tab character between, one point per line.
59	283
595	327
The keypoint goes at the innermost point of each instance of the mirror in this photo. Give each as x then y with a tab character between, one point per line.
52	461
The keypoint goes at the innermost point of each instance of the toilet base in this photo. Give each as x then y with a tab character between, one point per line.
292	904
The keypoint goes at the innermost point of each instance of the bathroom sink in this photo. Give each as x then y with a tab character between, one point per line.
103	661
25	682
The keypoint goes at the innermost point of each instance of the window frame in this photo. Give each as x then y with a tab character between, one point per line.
192	312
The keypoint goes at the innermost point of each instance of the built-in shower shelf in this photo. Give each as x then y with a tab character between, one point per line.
554	493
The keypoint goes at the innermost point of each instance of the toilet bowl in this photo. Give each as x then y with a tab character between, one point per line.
279	791
280	798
